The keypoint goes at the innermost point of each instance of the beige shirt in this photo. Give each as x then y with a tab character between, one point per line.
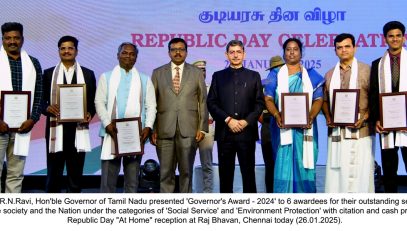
363	83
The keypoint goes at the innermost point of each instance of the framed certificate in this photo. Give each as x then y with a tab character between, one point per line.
345	107
393	115
128	137
72	102
15	108
295	110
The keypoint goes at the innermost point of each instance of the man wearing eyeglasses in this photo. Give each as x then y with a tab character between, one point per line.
182	117
236	101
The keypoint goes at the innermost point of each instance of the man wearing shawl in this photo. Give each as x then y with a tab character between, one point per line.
67	142
123	92
350	164
389	75
19	72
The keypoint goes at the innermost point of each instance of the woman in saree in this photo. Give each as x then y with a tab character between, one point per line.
295	149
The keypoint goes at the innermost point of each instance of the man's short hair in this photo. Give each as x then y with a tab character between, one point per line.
233	43
12	26
127	43
68	38
340	37
393	25
177	40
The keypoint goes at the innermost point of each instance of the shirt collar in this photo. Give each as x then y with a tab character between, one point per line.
181	67
69	68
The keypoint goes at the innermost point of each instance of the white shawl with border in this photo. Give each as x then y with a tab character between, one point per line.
385	85
286	134
82	138
133	109
336	132
22	141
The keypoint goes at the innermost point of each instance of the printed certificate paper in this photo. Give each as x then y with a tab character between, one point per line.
15	108
393	111
345	106
128	137
294	109
72	102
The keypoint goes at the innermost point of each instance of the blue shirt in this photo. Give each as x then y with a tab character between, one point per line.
123	92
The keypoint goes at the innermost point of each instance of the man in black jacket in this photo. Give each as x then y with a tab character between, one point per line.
391	70
66	142
235	101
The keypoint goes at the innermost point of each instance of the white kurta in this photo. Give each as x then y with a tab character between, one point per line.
356	171
350	164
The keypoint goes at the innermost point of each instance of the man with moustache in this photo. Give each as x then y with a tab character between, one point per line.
68	142
123	92
389	75
182	117
350	164
236	101
19	72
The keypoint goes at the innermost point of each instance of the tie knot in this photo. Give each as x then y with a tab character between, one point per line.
177	68
395	58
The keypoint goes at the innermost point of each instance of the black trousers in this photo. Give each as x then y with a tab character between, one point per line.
267	155
390	163
74	161
245	151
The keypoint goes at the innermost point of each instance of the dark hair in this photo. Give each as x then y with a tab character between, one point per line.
68	38
233	43
299	43
177	40
340	37
127	43
12	26
393	25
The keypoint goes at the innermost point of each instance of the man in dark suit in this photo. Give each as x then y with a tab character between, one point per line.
182	117
235	101
389	70
66	142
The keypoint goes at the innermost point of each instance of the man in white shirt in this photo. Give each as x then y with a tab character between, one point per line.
123	93
181	119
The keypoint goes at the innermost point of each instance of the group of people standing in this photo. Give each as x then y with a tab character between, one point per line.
174	107
171	106
350	162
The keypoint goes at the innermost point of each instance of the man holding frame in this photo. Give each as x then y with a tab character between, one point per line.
19	72
67	142
389	75
350	164
123	93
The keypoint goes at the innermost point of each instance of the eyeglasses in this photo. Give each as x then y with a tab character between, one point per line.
175	50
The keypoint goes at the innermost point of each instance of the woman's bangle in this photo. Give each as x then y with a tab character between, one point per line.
275	114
